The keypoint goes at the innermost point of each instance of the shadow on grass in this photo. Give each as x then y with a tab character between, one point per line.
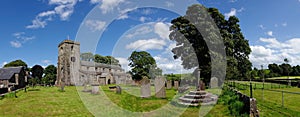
34	90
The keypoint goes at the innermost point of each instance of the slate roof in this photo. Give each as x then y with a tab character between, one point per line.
7	73
94	64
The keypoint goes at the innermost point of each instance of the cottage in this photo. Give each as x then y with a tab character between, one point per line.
12	78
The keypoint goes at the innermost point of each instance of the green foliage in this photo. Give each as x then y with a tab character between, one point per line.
16	63
37	71
190	40
141	63
100	59
87	56
50	75
231	99
33	81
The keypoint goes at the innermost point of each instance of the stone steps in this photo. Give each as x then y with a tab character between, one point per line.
195	98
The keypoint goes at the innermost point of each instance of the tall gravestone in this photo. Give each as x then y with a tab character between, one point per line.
176	84
214	82
160	91
169	84
95	88
145	88
118	89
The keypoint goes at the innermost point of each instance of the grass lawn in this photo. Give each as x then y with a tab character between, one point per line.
270	102
49	101
285	77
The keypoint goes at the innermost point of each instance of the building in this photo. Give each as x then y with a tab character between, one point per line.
72	71
12	78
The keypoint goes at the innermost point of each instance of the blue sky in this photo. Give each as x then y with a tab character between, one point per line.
31	30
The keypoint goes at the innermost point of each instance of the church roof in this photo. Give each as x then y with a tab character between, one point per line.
8	72
94	64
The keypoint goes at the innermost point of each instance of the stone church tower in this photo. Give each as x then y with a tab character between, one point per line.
68	63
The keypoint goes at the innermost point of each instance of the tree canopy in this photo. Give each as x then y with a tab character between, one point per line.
141	63
188	39
37	71
50	75
87	56
16	63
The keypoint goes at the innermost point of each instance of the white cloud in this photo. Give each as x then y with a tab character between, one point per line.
260	51
169	4
143	19
63	8
262	27
47	62
284	24
16	44
162	30
231	13
270	33
147	44
4	63
23	37
275	51
108	5
124	63
273	43
141	31
95	25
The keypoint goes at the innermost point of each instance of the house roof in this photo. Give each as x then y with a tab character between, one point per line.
8	72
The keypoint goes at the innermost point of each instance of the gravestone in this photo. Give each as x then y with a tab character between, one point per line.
145	88
169	84
214	82
95	88
176	84
160	91
118	90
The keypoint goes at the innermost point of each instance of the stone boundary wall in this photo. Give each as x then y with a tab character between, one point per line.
249	103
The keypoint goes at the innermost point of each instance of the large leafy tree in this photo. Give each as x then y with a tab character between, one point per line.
189	38
100	59
50	74
141	63
16	63
37	71
87	56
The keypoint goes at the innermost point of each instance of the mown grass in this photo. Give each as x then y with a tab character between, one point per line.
49	101
270	102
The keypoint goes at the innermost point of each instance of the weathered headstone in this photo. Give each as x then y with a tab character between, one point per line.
214	82
145	88
160	91
176	84
169	84
95	88
118	90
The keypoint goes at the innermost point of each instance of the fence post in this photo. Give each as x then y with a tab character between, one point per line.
251	96
282	102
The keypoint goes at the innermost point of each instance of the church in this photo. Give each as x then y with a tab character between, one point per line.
71	70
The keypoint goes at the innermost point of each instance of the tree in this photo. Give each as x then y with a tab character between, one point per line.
100	59
189	40
16	63
112	60
50	75
37	71
141	63
87	56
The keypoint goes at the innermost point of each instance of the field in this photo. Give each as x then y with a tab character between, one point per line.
270	101
49	101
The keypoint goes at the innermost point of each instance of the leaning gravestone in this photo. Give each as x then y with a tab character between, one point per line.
118	90
214	82
145	88
169	84
160	91
95	88
176	84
